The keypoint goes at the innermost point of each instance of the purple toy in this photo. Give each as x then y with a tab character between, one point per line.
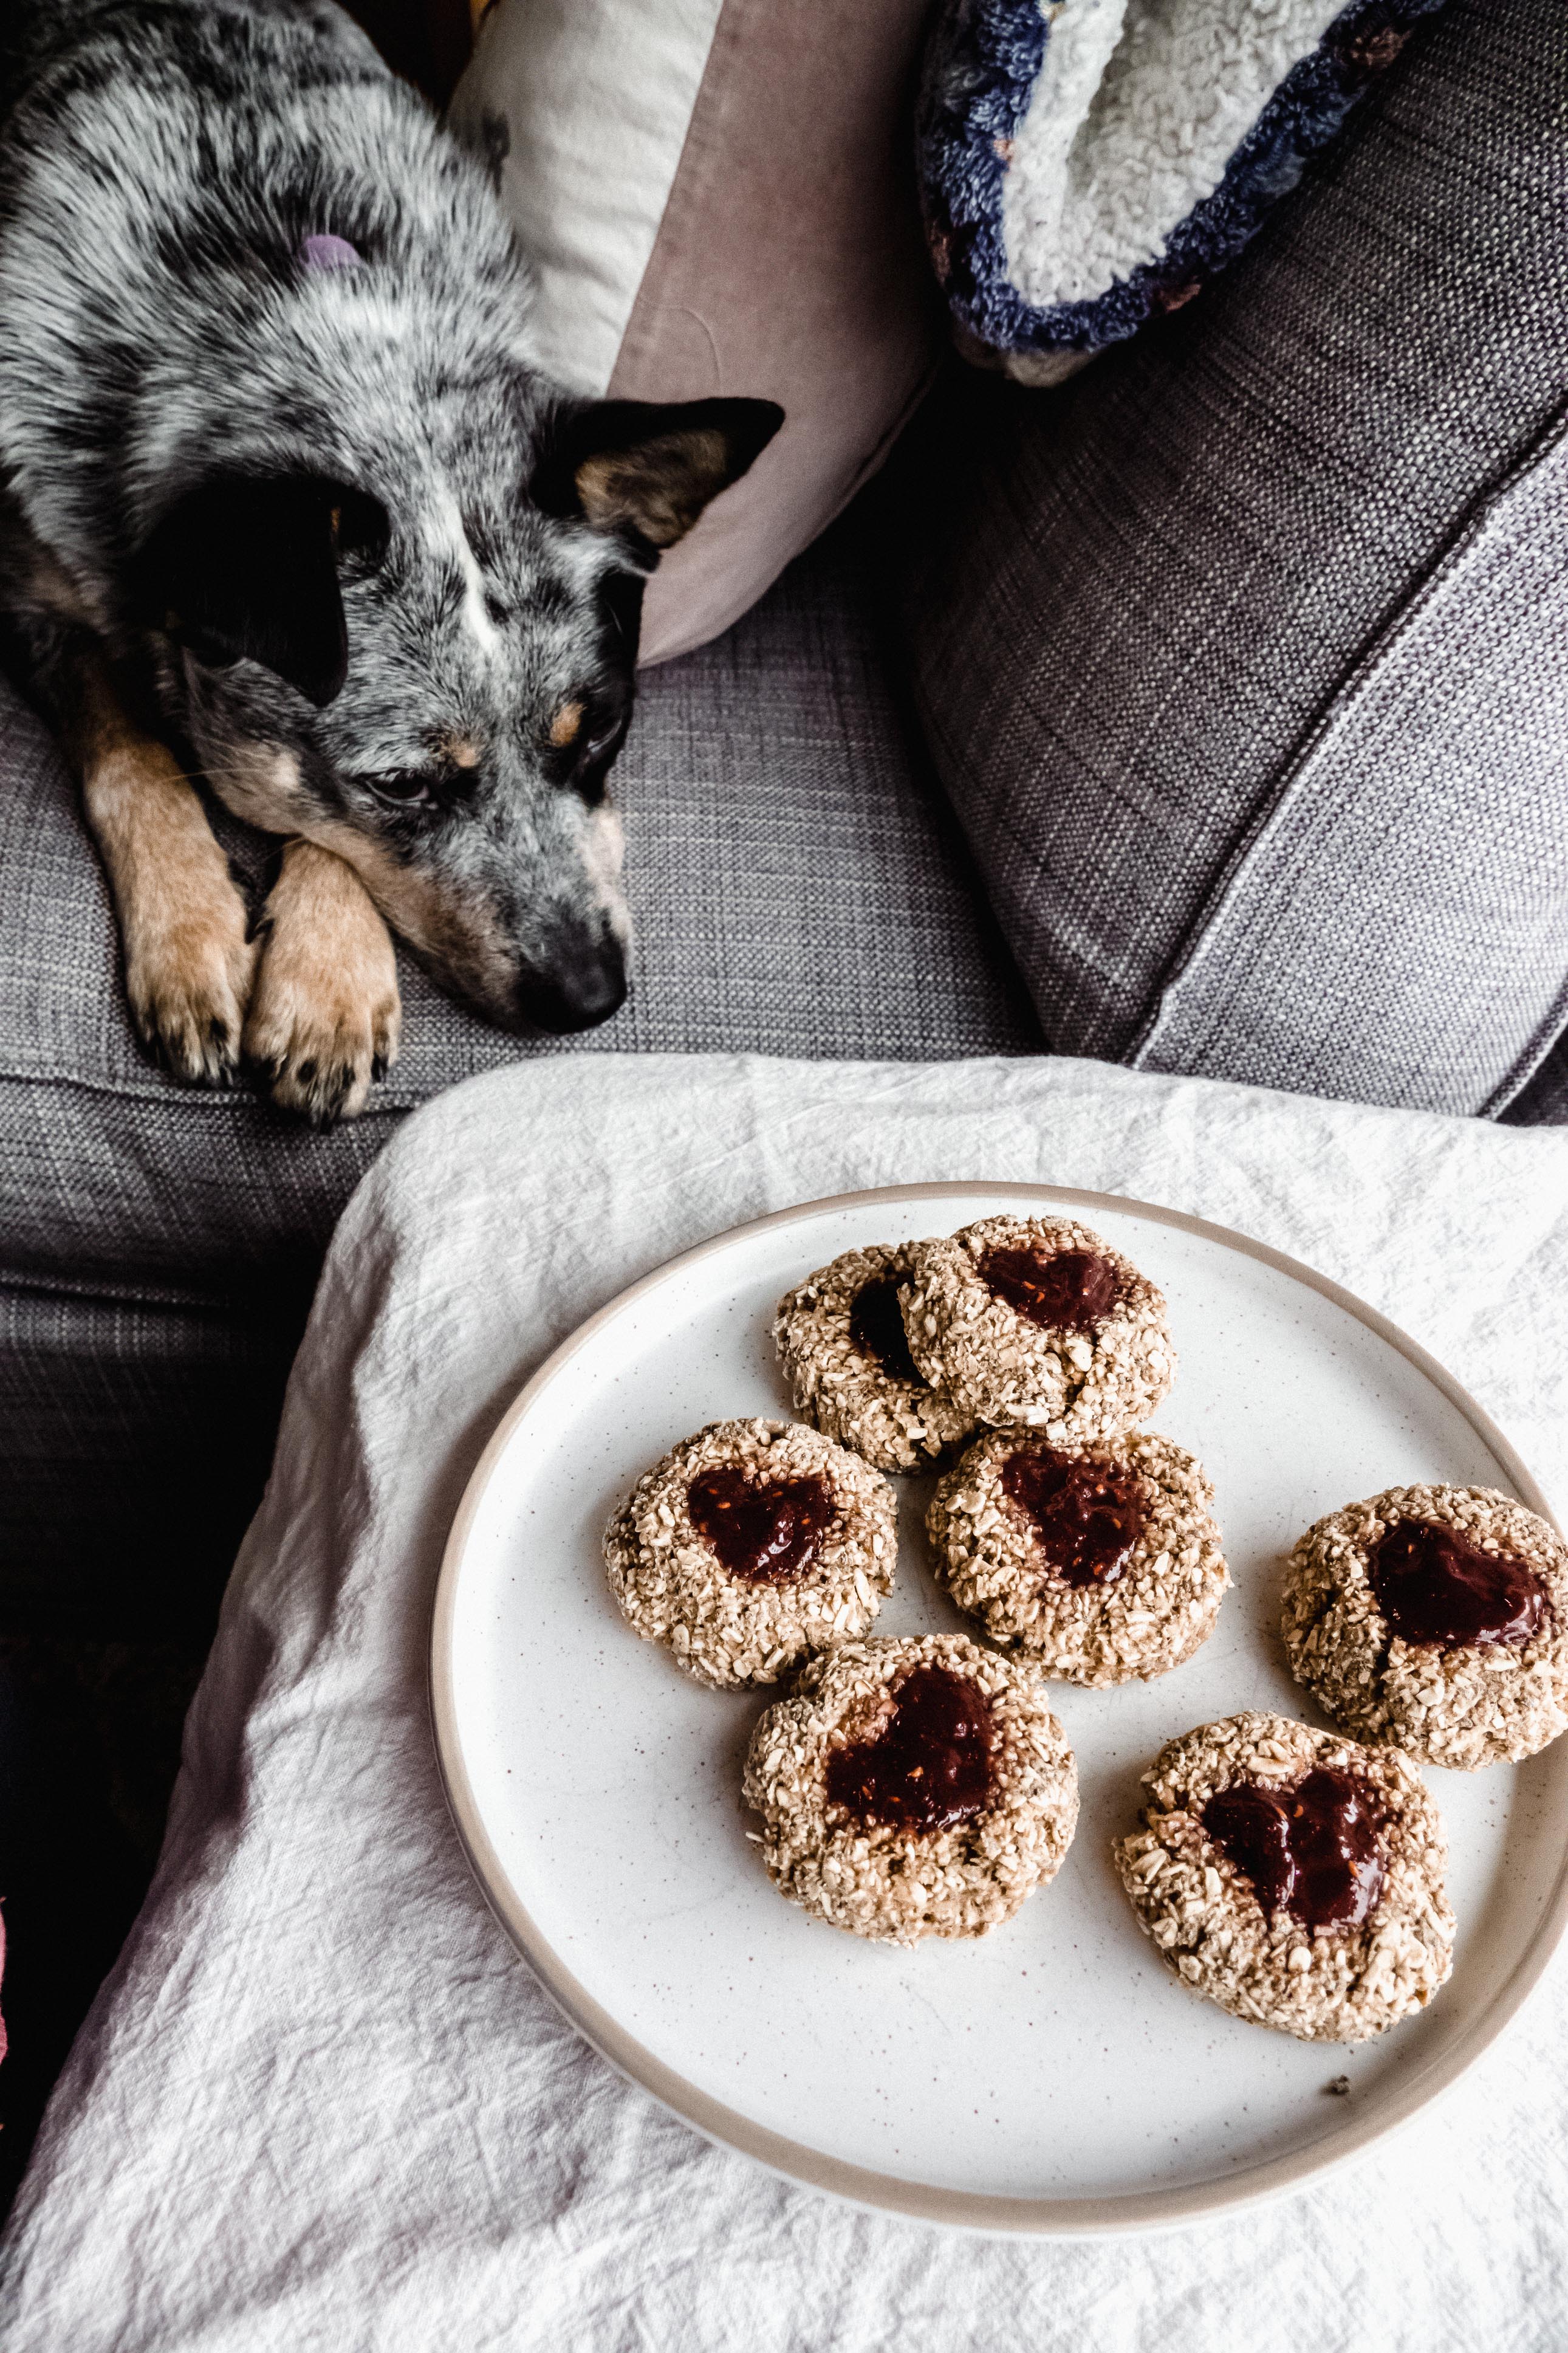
329	253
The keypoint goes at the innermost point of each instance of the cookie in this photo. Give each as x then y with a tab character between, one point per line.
913	1788
1436	1619
846	1356
750	1544
1102	1565
1037	1320
1293	1877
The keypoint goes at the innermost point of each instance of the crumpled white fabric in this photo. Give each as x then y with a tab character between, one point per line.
321	2103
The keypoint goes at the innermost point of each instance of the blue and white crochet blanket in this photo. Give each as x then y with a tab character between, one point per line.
1088	165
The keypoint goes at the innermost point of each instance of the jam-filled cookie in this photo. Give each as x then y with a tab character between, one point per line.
1101	1564
1435	1618
846	1357
1037	1320
1292	1877
750	1544
913	1788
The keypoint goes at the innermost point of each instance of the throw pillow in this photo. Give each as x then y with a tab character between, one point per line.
718	197
1244	657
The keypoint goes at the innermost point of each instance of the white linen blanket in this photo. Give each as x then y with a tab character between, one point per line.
321	2103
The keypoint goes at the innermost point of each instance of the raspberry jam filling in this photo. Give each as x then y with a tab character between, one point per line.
1437	1588
1086	1517
1061	1291
766	1531
1310	1848
932	1763
877	1328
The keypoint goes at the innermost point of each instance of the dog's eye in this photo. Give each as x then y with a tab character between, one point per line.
591	769
406	789
360	532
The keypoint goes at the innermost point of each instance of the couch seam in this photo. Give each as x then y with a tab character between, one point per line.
1355	678
225	1306
203	1098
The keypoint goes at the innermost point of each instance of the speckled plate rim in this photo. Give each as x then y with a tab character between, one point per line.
1111	2215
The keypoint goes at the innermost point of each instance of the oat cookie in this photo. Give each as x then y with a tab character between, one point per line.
1103	1564
1037	1320
750	1544
1292	1877
1435	1618
846	1357
913	1788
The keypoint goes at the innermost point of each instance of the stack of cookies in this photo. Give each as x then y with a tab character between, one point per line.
1071	1536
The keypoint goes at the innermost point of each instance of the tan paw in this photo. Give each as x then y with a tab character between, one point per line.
188	963
324	1014
188	978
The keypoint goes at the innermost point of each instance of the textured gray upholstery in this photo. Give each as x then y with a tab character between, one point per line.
136	1439
1244	656
799	888
796	890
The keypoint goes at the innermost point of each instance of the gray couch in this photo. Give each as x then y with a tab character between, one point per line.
1243	659
799	887
1158	635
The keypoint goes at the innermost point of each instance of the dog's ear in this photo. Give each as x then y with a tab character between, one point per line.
245	568
648	469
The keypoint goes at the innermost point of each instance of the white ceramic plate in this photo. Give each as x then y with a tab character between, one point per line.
1052	2076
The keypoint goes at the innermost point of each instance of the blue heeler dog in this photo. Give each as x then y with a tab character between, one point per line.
280	483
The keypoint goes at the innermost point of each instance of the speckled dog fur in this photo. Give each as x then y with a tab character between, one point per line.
322	521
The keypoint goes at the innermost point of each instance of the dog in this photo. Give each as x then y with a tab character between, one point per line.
284	495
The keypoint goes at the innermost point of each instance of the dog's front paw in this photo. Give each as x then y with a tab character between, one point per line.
325	1014
188	979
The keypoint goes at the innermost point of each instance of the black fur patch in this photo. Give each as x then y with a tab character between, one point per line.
246	569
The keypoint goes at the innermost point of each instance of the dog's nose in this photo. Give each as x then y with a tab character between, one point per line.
581	994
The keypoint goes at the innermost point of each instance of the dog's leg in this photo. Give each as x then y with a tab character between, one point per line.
325	1015
188	963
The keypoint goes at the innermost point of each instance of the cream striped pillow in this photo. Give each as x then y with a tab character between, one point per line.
719	197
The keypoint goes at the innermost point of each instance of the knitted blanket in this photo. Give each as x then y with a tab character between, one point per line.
1088	165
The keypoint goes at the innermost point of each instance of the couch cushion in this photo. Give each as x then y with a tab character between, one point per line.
1244	655
798	886
718	197
137	1437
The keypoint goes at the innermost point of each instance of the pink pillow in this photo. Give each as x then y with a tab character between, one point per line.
718	197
